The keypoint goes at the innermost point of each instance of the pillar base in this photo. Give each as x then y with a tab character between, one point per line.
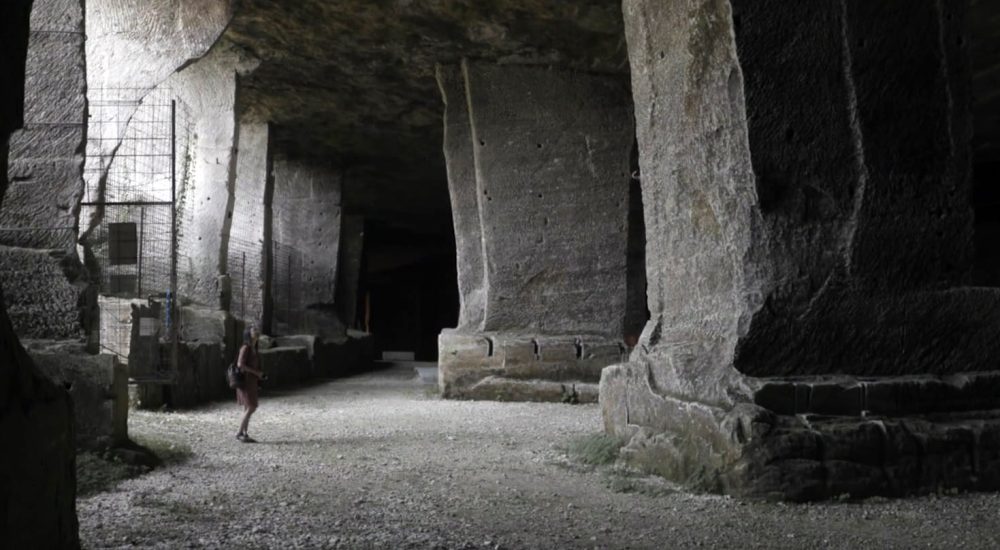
814	438
524	367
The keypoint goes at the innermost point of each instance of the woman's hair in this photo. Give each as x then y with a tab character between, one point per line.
248	335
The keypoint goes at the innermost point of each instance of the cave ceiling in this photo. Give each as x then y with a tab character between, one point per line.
351	82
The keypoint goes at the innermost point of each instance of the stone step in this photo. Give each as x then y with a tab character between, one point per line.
803	458
499	388
886	396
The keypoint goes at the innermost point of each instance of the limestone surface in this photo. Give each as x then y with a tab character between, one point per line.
98	388
37	477
40	270
792	233
551	157
246	233
307	224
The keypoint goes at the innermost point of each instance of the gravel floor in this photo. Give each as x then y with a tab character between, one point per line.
377	461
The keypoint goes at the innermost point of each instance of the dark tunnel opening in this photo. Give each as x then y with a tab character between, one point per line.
409	288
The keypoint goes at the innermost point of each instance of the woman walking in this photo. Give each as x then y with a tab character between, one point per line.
246	394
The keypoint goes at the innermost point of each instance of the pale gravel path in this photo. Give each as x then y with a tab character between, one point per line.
374	461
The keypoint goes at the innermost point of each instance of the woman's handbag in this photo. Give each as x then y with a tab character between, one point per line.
235	376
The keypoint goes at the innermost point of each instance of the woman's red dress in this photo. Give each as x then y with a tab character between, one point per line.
247	394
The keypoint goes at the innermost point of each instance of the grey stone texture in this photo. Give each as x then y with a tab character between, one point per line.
46	157
792	230
516	367
354	83
636	312
551	156
246	233
285	366
875	227
200	376
538	169
306	240
208	90
460	162
115	325
38	219
98	387
139	43
37	464
352	245
144	355
44	289
133	47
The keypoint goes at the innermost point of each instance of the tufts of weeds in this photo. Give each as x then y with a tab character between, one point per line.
594	450
166	451
101	470
97	472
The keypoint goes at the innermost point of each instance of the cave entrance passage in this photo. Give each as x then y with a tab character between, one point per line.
410	289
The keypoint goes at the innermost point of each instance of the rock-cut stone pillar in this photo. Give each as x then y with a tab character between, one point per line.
538	170
37	464
306	244
248	238
39	267
806	190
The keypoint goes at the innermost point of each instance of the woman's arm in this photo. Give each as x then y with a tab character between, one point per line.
242	363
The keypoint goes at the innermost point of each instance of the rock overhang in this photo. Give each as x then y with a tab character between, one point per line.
353	82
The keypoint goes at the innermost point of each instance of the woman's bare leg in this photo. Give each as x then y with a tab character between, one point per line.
246	419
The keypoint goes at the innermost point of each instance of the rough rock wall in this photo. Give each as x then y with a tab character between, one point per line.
863	226
246	235
460	164
703	225
38	221
803	226
139	43
551	166
307	224
37	470
636	312
133	47
208	90
352	244
98	389
538	169
819	223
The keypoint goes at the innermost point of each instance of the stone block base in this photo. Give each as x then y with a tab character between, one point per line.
523	367
43	290
97	385
200	376
285	366
859	445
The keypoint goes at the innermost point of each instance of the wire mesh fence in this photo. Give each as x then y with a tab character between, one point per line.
132	172
286	285
243	264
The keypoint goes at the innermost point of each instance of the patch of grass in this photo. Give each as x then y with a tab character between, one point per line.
629	482
173	508
99	472
167	451
594	450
